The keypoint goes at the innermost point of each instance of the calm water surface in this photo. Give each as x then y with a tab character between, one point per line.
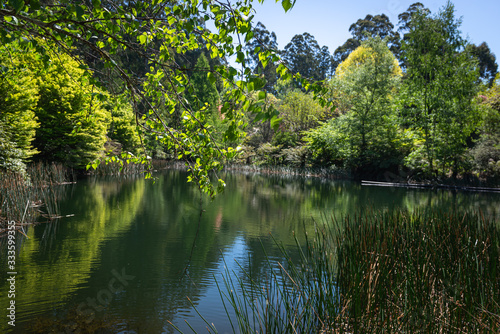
135	251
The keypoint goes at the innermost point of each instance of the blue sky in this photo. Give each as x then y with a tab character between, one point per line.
329	20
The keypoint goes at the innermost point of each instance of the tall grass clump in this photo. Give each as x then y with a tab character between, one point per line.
333	173
421	272
379	272
14	196
24	197
115	168
294	298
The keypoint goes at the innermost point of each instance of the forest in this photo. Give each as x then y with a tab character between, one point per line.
84	83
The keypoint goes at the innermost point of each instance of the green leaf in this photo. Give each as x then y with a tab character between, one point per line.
264	62
211	77
259	117
80	10
240	57
18	5
275	122
34	4
287	4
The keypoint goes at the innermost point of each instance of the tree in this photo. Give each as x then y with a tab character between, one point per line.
204	93
330	143
73	121
50	112
488	68
369	27
18	101
405	17
438	92
326	65
404	22
303	55
156	32
373	26
486	151
367	80
299	112
263	40
122	131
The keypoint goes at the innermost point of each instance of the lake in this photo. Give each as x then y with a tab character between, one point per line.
134	251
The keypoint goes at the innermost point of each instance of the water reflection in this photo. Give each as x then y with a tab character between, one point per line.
58	258
153	237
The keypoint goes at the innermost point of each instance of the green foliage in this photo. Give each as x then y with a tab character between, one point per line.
486	152
269	154
74	121
204	94
370	26
488	68
296	156
122	126
52	106
266	41
406	17
299	112
18	100
258	132
199	112
158	33
329	143
368	136
10	155
303	55
438	90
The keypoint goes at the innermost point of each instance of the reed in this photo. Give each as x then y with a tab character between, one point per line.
379	272
293	297
158	164
25	197
332	173
117	169
421	272
48	174
15	198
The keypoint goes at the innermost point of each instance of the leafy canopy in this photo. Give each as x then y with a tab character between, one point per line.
361	56
439	90
364	85
157	32
18	101
369	27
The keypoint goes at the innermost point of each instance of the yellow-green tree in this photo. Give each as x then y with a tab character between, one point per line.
364	86
18	100
49	109
73	121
